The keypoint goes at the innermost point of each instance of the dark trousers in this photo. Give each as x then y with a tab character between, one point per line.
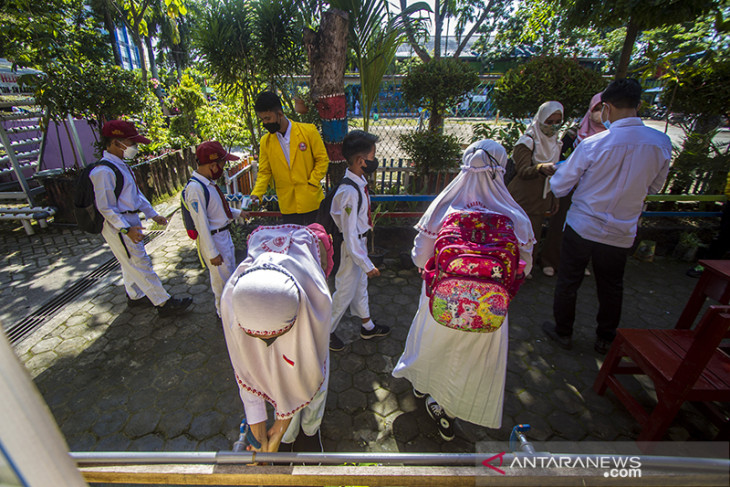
299	218
721	245
608	268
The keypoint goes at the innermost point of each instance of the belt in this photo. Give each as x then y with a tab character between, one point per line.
363	235
130	212
222	229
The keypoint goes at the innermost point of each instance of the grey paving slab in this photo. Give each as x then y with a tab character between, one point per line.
124	379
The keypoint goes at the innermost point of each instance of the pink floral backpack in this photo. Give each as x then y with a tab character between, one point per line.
473	274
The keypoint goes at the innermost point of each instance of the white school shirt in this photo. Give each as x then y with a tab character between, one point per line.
614	171
130	199
284	140
353	223
207	218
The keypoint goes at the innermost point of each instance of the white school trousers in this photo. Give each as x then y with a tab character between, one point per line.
351	289
219	274
139	278
309	418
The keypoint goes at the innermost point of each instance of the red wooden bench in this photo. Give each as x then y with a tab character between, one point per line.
684	364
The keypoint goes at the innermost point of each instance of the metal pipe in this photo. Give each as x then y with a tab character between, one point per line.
422	459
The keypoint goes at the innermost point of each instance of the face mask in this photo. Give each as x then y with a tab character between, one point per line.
370	166
606	123
130	152
549	130
272	127
216	171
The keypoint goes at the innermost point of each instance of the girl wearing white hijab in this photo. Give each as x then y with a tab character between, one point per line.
464	374
276	310
535	155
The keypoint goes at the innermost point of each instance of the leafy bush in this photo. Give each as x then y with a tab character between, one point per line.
521	91
431	151
703	90
507	135
95	92
185	99
438	84
221	122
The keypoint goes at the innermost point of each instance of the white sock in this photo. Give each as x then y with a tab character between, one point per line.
369	325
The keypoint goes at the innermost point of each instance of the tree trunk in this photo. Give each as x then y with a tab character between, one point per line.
111	28
439	26
632	32
327	51
151	54
140	48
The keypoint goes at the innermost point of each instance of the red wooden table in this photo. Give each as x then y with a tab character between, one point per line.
714	283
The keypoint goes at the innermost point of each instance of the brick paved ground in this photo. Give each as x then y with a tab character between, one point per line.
124	379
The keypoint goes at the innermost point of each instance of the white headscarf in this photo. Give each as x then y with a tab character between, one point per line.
545	149
289	371
479	187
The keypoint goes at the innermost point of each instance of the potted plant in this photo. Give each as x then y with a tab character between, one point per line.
376	254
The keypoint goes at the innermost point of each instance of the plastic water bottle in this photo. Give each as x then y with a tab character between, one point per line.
245	438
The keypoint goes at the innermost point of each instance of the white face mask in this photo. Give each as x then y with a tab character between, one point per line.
130	152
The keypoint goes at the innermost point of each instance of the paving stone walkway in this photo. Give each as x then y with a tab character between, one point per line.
117	378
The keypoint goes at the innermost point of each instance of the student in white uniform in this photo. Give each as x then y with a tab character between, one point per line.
122	227
463	373
276	311
353	220
212	215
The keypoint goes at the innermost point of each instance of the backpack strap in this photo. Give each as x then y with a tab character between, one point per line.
119	185
206	191
353	184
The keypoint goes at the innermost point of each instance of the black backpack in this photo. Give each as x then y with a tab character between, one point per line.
187	217
324	218
87	215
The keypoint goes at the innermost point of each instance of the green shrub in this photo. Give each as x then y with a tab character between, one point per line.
521	91
437	85
431	151
507	134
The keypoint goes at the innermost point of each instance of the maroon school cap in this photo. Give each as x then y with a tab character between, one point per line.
213	151
121	129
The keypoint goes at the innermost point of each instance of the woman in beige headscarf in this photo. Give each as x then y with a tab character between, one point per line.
462	373
535	156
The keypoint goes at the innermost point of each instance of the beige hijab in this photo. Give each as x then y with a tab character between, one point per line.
545	149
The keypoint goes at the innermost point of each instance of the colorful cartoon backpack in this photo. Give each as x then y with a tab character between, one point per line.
473	274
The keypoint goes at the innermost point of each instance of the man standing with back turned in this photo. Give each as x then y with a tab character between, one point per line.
294	154
614	171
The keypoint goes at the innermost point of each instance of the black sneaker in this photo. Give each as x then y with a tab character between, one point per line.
139	303
377	331
173	307
418	394
445	423
336	345
601	346
563	342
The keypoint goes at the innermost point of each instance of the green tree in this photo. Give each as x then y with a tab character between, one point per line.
520	92
479	14
635	15
436	85
133	13
41	34
375	36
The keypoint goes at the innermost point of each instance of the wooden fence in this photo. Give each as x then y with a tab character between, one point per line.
165	174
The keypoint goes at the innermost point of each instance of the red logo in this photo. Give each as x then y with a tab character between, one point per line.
489	465
302	146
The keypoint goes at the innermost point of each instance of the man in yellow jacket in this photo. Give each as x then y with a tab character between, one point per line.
294	154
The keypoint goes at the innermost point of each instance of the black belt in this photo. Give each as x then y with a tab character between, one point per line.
363	235
130	212
222	229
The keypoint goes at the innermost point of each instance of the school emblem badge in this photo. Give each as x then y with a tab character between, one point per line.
302	146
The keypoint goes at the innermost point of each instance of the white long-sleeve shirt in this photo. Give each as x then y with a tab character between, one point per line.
614	171
207	217
130	199
351	222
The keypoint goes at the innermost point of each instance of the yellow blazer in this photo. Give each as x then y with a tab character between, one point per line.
298	187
